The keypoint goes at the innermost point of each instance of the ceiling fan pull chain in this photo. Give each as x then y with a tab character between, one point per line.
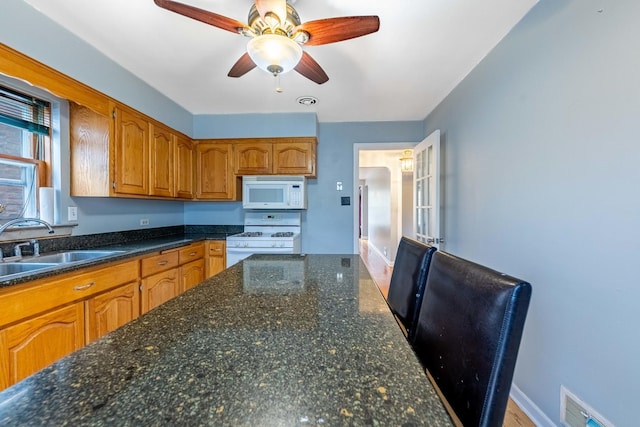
278	87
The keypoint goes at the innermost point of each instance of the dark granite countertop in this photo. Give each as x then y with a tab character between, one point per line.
129	248
284	340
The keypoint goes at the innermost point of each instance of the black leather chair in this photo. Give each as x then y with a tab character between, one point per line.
407	282
467	336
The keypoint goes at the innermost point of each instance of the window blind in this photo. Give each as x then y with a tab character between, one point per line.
24	112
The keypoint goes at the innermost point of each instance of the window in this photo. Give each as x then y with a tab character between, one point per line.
24	152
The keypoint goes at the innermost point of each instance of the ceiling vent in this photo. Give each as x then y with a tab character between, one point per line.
307	100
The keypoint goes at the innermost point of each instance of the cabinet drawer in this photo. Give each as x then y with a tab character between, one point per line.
216	247
45	294
191	253
160	262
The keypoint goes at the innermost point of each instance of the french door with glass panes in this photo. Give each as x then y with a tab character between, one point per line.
426	191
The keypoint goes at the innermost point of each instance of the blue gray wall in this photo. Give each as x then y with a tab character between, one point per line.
540	161
541	148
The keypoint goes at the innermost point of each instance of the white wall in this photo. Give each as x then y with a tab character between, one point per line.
542	171
379	210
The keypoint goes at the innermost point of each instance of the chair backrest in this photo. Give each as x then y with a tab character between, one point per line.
408	279
468	334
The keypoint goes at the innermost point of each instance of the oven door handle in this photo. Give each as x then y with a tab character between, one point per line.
258	250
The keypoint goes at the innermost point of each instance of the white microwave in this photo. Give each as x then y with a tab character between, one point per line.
274	192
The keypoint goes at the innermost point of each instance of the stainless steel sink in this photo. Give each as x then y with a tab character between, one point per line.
69	257
10	268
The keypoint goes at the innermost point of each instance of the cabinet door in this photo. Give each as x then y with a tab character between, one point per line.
185	168
216	257
215	175
161	162
89	151
33	344
253	157
294	158
159	288
131	153
191	274
108	311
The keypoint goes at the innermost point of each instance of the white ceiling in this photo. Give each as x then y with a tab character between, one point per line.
423	49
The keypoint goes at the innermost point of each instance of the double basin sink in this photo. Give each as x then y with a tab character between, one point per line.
32	264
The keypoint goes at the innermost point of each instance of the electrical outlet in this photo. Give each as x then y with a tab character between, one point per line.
339	186
576	413
144	221
72	213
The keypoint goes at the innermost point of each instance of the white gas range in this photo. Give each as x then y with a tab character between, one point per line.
265	233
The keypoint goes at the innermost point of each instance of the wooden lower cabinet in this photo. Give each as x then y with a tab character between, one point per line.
159	288
107	312
216	257
29	346
47	319
191	274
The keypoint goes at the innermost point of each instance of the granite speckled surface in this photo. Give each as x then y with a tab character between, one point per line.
283	340
131	243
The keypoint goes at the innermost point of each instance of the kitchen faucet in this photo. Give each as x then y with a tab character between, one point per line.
35	243
17	249
19	220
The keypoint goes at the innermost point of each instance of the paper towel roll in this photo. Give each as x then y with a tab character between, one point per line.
47	204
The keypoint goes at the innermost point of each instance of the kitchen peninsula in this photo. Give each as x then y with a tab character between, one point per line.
273	340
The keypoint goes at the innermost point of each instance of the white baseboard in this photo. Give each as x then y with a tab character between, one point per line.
384	258
532	411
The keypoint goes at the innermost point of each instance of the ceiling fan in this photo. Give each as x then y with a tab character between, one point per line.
277	35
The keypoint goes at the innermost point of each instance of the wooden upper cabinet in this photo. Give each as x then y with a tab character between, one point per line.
127	154
90	151
131	152
295	158
276	156
185	168
253	157
215	177
161	161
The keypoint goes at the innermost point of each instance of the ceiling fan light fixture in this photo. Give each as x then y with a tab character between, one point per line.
276	8
273	53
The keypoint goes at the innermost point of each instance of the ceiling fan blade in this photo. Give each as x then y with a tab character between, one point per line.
309	68
202	15
331	30
242	66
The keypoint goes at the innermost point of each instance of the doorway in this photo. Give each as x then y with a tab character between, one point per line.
384	212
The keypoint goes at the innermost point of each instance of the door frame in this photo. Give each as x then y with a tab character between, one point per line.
357	147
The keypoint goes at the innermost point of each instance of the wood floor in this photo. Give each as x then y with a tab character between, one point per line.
381	274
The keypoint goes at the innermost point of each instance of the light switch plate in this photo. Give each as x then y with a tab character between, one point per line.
72	213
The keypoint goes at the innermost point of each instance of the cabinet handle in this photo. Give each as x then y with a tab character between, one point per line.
193	253
163	262
83	287
217	250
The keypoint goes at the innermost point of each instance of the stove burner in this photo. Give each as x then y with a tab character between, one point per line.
250	234
283	234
